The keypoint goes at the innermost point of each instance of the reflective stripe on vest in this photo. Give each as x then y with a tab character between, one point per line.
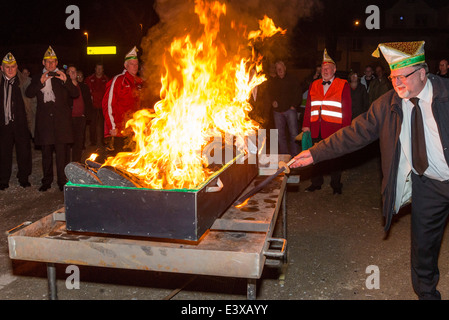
329	107
326	102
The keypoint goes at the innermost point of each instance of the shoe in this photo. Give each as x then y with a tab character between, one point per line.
44	188
25	184
312	188
4	186
337	190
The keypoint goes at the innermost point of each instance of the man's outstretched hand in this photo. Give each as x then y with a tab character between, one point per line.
302	160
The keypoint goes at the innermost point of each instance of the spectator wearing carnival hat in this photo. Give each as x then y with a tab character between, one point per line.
14	132
328	109
120	101
53	131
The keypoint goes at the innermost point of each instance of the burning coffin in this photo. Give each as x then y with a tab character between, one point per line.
183	214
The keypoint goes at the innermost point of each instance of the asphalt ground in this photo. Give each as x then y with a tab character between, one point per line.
337	250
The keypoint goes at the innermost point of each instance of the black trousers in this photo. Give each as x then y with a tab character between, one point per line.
61	151
430	209
96	127
332	166
10	136
79	130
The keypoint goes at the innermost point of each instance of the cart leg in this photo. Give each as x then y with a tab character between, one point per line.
51	276
284	222
284	215
251	289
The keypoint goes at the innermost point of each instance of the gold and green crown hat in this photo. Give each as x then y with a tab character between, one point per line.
9	59
401	54
327	58
50	54
132	54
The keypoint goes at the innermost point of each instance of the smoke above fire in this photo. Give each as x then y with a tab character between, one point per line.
207	57
177	18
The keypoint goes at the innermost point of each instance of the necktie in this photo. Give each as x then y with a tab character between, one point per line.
7	93
419	153
326	82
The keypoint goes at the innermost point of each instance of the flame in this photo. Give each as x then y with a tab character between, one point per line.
267	29
244	203
93	156
202	97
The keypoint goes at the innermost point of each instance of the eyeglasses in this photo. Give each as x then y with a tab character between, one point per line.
402	78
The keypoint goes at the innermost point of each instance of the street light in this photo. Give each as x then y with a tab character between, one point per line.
87	37
350	43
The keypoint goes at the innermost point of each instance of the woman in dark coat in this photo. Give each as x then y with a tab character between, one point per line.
359	96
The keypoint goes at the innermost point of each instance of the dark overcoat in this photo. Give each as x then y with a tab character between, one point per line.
53	119
383	121
17	109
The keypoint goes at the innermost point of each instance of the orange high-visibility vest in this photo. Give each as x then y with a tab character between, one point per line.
327	106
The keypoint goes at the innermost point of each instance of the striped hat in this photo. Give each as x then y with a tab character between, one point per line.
401	54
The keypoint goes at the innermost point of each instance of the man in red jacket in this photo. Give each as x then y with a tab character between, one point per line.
328	109
97	85
121	100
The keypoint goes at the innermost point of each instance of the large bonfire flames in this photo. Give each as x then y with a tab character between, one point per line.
201	98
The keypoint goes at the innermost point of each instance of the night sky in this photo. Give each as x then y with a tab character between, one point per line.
107	22
123	23
38	24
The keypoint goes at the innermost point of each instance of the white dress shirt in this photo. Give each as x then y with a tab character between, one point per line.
438	168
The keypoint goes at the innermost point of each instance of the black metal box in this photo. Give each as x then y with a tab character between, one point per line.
170	214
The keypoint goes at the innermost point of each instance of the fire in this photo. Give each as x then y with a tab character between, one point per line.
93	156
267	29
244	203
202	97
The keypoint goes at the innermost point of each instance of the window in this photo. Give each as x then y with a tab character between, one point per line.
421	20
357	44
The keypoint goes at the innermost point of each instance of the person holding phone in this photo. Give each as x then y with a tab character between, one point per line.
53	132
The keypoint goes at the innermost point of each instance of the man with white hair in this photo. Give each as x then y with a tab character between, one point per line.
121	100
411	125
328	109
285	101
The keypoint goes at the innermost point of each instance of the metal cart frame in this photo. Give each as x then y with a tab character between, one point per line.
239	244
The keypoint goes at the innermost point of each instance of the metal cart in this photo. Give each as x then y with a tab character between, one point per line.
239	243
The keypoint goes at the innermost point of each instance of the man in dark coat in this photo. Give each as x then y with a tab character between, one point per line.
13	126
421	177
285	100
53	118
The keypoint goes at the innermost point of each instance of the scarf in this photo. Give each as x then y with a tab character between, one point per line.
47	90
7	94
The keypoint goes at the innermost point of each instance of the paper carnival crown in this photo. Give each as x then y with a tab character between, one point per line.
401	54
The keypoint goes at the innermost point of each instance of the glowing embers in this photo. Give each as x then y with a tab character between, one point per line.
172	214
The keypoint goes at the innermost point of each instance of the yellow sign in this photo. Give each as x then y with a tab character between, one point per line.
102	50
